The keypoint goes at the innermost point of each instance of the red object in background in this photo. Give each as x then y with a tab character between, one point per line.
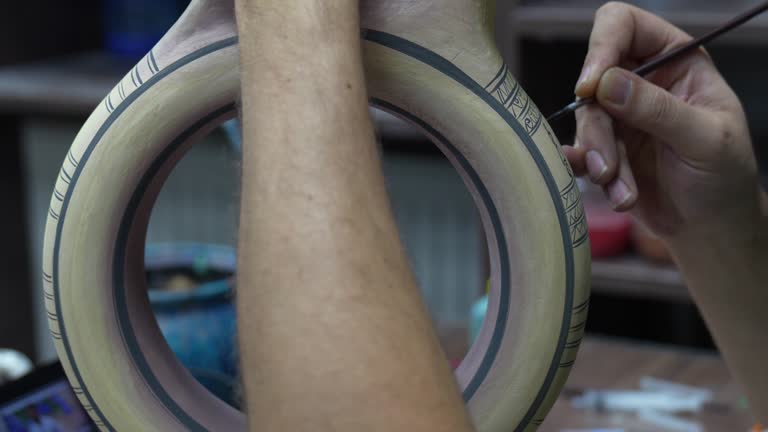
609	231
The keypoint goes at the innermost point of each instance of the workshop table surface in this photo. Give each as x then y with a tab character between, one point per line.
617	364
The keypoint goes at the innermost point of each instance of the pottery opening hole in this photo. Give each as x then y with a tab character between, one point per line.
190	258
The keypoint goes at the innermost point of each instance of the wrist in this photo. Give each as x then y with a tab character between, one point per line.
733	232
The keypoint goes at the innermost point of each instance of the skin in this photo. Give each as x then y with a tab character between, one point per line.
333	332
334	335
675	150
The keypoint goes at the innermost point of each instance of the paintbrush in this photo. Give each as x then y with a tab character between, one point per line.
674	54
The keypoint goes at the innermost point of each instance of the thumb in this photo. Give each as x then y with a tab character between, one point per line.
642	105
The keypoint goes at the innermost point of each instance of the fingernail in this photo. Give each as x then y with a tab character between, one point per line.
619	193
615	87
596	165
586	75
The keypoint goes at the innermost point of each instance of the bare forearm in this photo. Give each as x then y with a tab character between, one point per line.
333	333
727	273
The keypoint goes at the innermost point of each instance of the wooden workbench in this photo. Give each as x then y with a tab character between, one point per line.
619	365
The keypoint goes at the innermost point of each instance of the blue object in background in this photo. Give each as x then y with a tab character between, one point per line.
133	27
477	316
199	325
234	135
14	424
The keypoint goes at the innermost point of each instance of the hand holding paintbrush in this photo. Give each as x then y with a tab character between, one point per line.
675	53
675	149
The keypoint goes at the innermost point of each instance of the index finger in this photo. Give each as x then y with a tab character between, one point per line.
622	32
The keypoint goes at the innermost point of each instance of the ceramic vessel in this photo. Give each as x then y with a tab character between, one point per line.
433	64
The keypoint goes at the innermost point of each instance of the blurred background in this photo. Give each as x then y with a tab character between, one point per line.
59	59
